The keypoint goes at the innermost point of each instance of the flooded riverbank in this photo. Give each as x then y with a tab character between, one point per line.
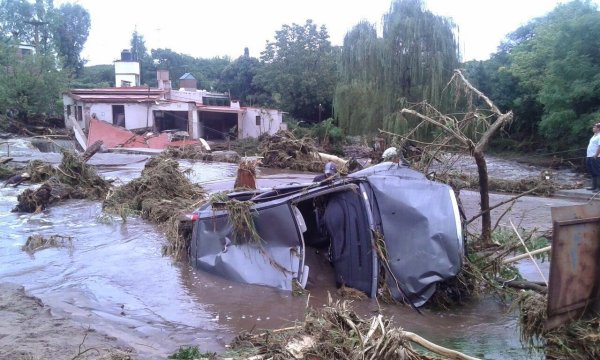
115	280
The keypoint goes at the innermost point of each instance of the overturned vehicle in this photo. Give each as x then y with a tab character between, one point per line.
384	226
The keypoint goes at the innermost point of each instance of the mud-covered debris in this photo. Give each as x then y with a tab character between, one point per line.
33	201
283	150
38	242
332	332
161	194
73	179
40	171
192	152
542	186
579	339
161	191
351	293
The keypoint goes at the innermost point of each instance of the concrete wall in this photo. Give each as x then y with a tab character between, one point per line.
270	122
183	95
127	71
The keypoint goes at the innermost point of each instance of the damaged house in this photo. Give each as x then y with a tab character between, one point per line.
189	112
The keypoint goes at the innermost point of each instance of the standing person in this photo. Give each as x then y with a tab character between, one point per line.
592	161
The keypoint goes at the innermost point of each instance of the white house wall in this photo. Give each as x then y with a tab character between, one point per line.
127	71
270	122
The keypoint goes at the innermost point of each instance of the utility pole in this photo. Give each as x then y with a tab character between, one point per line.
36	24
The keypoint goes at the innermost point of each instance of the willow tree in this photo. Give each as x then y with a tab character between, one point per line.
411	62
356	94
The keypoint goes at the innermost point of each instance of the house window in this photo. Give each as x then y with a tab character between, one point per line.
257	120
79	115
68	110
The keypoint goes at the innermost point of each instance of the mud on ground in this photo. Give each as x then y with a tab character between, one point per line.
30	331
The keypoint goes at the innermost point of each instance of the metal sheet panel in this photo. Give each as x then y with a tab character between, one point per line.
274	264
574	268
420	230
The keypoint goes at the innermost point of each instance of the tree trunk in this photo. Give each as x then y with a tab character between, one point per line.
486	216
91	150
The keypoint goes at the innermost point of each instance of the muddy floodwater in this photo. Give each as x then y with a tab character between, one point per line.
114	278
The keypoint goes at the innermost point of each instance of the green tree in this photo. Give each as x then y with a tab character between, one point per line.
206	71
71	27
299	71
31	85
411	63
139	52
14	18
96	76
237	79
559	62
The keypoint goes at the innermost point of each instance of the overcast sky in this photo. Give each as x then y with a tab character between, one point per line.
206	29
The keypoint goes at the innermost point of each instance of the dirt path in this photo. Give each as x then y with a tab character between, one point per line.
529	212
30	331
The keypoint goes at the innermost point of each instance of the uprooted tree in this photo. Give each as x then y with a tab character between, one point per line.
470	134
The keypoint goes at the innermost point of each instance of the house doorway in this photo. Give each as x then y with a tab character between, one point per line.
219	125
118	112
171	120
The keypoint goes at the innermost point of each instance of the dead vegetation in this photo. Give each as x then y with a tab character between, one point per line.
239	216
72	179
337	332
161	195
534	186
283	150
39	171
38	242
191	152
578	340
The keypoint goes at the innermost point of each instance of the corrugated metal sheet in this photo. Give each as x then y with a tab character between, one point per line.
575	267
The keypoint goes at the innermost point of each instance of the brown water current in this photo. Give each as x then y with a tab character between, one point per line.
115	279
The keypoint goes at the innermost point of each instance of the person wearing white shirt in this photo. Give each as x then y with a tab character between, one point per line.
592	162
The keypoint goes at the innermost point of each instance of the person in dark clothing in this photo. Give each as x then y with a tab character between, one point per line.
330	171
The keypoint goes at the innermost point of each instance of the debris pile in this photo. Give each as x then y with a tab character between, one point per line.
283	150
161	194
462	180
191	152
38	242
337	332
578	340
357	151
39	171
239	216
459	289
73	179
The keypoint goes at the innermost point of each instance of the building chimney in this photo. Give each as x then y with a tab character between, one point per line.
162	78
188	82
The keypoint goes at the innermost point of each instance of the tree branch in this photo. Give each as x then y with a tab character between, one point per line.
500	204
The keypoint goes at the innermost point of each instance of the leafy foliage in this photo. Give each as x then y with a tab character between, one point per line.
237	79
412	62
71	25
30	85
548	72
97	76
299	71
206	71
